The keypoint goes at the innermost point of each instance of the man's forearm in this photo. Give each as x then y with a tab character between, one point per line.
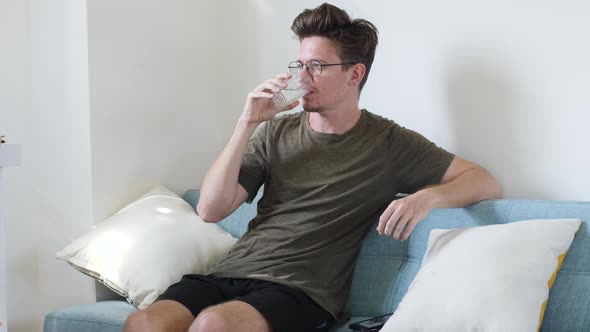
221	182
472	186
462	184
220	192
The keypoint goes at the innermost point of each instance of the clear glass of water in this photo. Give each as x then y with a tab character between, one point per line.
295	89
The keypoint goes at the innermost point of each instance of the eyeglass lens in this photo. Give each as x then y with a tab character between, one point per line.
313	67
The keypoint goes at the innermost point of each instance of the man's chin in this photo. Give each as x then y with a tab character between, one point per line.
311	108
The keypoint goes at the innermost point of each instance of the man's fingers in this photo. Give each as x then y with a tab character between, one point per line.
269	86
402	215
275	84
280	83
402	224
385	217
291	106
409	229
260	94
284	76
417	218
393	220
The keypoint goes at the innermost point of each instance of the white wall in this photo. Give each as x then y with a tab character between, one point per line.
158	91
44	107
501	83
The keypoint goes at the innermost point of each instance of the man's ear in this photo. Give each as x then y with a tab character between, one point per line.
358	72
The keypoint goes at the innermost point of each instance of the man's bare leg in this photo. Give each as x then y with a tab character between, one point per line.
164	315
234	316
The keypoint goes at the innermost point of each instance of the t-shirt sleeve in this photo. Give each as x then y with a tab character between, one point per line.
420	162
254	167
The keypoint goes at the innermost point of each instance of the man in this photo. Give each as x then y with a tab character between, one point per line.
326	173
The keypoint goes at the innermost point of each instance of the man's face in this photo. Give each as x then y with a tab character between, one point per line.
331	89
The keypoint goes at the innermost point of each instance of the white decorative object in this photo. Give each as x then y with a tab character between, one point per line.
487	278
9	156
147	246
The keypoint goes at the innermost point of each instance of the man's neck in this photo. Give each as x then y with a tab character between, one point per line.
334	121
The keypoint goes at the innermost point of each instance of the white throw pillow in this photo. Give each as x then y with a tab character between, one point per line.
487	278
147	246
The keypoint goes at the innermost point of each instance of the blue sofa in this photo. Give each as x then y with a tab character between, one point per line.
386	267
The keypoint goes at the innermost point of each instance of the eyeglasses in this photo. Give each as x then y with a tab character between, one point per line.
314	67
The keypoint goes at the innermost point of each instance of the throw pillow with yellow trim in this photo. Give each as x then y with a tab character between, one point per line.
486	278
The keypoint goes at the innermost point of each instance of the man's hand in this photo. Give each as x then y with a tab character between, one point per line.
462	184
259	106
405	213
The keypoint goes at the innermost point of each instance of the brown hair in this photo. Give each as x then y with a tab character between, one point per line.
355	40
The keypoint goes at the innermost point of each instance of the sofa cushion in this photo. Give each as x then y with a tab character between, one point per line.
486	278
105	316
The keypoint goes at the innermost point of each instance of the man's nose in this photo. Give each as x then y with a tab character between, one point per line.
304	76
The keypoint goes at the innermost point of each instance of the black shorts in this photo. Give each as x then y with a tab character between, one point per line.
286	308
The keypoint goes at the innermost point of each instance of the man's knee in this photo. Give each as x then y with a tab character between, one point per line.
138	321
163	315
210	321
230	317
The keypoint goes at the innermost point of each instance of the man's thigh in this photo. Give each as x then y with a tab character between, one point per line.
285	308
196	292
235	316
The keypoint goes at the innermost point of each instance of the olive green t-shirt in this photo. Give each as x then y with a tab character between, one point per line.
321	194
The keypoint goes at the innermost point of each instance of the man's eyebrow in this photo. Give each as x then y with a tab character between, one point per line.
314	59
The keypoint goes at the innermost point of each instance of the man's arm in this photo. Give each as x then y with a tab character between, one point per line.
463	183
221	194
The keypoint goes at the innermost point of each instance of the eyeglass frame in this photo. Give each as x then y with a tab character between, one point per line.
320	65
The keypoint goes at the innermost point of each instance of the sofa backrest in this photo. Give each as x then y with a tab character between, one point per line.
386	267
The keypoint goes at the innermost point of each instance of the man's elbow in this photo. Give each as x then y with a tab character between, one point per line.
499	193
495	190
207	214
